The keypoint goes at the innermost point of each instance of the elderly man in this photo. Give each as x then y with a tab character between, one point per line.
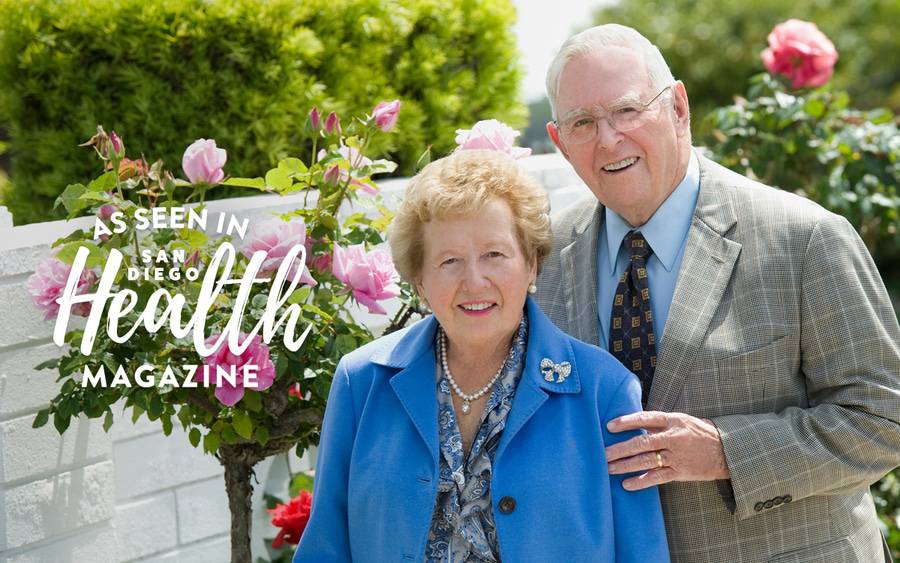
756	321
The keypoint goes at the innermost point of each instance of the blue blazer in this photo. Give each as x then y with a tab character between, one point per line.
377	471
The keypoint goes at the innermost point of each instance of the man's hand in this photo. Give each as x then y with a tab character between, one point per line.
677	447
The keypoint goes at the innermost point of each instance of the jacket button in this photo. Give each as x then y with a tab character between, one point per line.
507	505
788	498
777	500
768	504
758	507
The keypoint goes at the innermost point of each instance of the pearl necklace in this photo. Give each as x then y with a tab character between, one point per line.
467	399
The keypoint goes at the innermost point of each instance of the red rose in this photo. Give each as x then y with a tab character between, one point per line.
291	518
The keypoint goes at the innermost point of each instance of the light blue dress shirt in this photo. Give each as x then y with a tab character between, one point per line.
666	232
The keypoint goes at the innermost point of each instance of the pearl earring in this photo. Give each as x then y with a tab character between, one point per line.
532	288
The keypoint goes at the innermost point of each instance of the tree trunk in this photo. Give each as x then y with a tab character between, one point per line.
237	483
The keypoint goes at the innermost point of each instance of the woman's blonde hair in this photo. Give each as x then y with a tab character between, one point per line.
459	185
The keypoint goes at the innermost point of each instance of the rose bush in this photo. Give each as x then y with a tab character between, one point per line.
246	419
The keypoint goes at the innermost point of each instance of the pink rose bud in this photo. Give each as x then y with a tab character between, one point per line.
314	120
47	283
370	276
257	354
332	124
203	162
333	175
490	134
799	51
385	115
106	211
116	144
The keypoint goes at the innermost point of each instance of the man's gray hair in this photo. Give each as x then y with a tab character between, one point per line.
608	35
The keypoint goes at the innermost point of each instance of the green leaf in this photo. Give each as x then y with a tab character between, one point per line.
281	365
278	179
243	425
211	442
814	107
103	183
49	364
329	221
61	421
252	401
194	437
229	435
41	418
108	421
346	343
97	256
255	183
194	238
70	199
293	165
262	435
299	295
136	413
166	424
301	482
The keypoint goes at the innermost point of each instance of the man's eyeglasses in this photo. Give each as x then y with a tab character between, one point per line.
584	126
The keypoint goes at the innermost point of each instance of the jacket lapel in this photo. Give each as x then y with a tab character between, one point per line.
414	384
545	340
579	273
709	259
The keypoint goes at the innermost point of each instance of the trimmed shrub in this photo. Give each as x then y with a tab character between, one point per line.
244	72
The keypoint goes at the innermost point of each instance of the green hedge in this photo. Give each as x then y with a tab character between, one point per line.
245	72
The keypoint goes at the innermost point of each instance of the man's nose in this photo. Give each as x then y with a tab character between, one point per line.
607	135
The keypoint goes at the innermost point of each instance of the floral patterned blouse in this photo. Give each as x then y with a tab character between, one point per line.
462	525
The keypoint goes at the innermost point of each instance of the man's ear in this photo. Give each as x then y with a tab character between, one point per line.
554	136
682	109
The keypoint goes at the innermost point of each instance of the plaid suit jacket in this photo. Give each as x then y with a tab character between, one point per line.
781	332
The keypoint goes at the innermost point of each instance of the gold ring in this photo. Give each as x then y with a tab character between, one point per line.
659	461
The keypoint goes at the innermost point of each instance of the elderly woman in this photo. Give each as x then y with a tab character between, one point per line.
478	433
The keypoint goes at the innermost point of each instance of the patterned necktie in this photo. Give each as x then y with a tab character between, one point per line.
631	338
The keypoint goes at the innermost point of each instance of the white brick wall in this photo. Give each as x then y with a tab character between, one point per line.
132	494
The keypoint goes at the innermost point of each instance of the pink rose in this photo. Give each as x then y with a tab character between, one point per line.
256	354
203	162
491	134
370	276
385	115
798	50
276	238
47	283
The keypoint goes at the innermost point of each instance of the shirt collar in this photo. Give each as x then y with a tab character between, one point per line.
667	228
